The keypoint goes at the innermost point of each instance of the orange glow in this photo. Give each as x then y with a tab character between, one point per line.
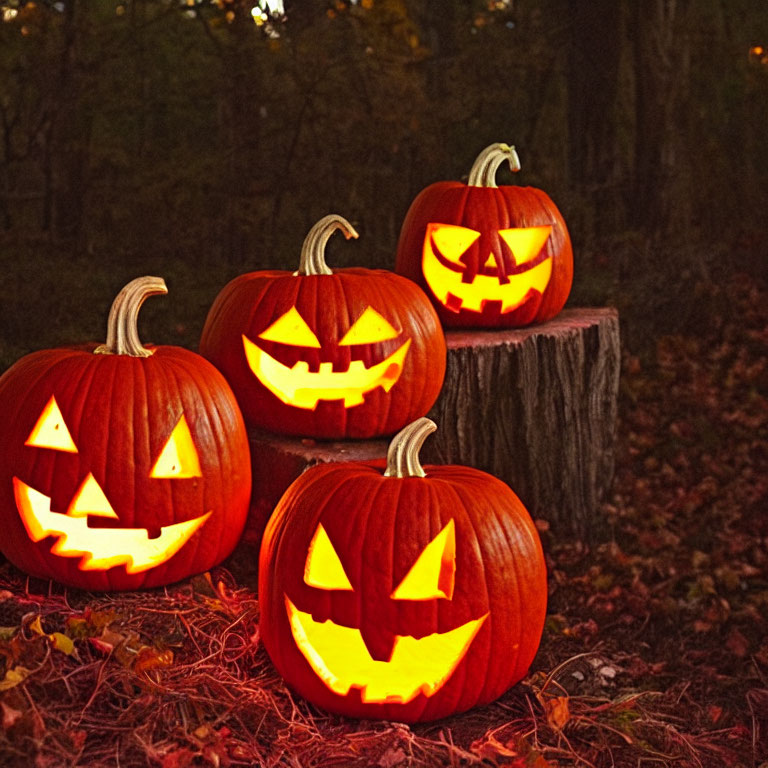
90	500
291	328
526	244
302	388
369	328
50	431
339	657
432	575
323	568
98	548
757	50
179	456
452	241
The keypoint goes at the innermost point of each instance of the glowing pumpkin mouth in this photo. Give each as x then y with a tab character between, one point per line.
99	548
340	658
512	290
302	388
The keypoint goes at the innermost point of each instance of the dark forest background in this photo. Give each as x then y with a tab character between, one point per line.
198	140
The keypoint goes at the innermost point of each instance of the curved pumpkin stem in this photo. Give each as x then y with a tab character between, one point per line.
122	324
312	260
483	172
403	451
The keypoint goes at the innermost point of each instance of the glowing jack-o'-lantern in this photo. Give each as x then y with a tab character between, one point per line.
399	591
335	354
121	466
486	255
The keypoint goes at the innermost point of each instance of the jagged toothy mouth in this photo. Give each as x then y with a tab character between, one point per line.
449	289
339	657
302	388
99	548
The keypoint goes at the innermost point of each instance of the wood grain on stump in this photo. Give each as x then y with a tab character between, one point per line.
534	406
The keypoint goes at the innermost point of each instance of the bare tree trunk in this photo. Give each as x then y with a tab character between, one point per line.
68	139
6	126
242	131
594	54
661	202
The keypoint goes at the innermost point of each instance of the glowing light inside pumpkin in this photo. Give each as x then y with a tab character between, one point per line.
339	655
90	500
99	548
50	431
340	658
450	240
291	328
525	242
448	285
103	548
432	575
302	388
323	568
178	457
369	328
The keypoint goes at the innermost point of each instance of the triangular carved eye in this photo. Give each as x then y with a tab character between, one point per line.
451	241
369	328
50	431
323	569
90	500
526	242
179	455
291	328
433	573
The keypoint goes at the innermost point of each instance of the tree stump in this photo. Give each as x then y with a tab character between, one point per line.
536	407
277	461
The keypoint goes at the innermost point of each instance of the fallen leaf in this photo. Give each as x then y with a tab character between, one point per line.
558	711
737	644
13	677
151	658
36	625
62	643
10	715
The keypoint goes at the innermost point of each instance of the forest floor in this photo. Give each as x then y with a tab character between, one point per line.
655	649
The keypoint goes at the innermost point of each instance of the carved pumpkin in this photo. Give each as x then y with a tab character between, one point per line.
349	353
401	592
487	256
120	466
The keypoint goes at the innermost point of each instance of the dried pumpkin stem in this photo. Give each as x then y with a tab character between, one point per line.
313	251
403	451
483	172
122	325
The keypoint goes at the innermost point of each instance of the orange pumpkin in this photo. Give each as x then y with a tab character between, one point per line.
331	354
121	466
487	255
401	592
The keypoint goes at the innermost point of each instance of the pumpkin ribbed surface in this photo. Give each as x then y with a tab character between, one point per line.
329	305
485	272
492	589
120	466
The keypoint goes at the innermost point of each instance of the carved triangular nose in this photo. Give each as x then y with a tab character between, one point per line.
491	262
379	641
90	500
